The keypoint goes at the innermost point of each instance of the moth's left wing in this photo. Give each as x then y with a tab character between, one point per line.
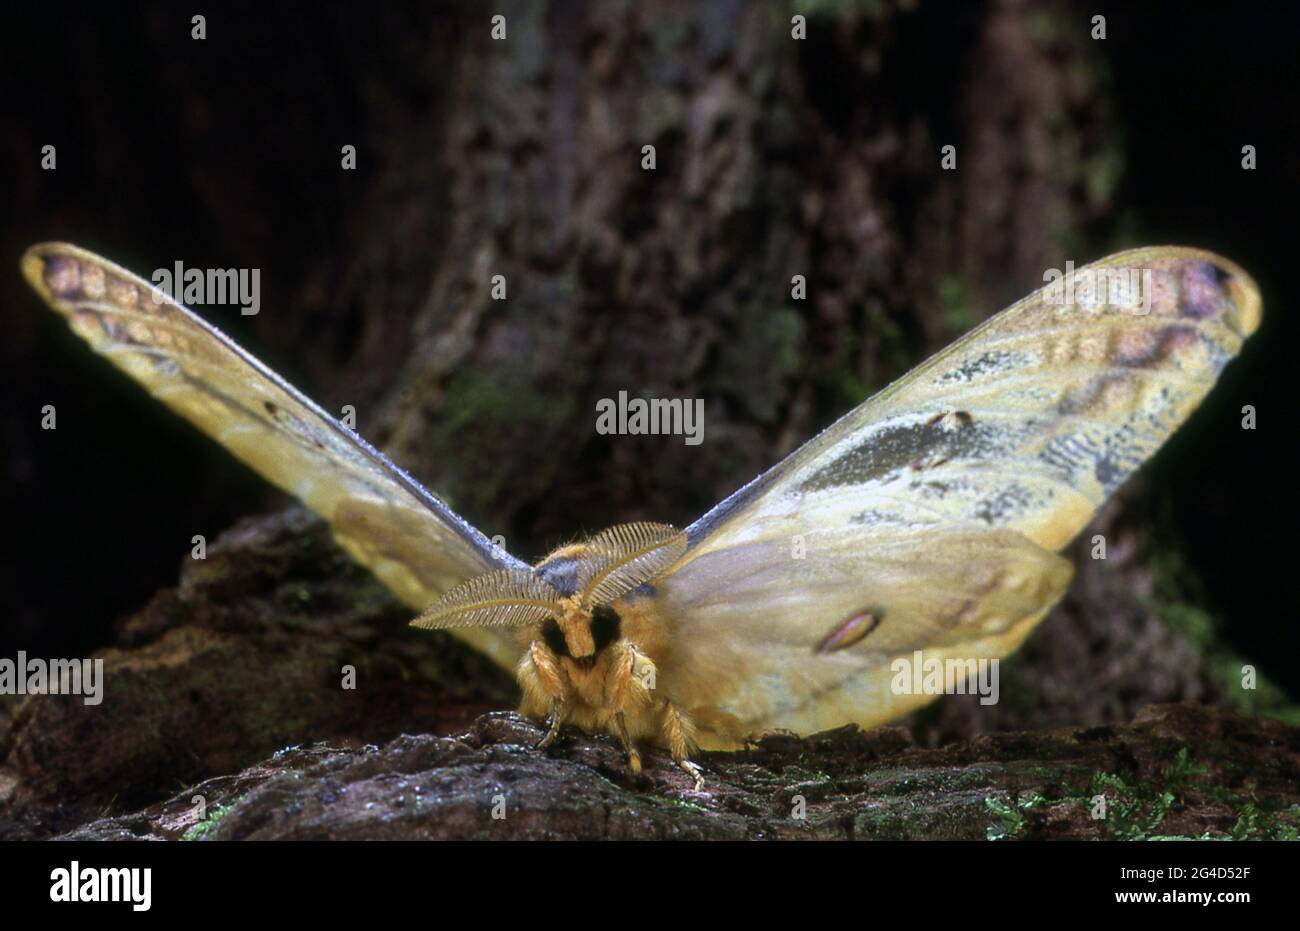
752	623
413	542
938	503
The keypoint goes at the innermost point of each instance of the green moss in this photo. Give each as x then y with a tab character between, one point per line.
1011	817
1181	769
1175	601
895	356
1256	824
1192	622
1135	812
479	406
768	348
955	306
470	395
787	336
1102	171
205	827
939	779
1266	698
680	803
798	774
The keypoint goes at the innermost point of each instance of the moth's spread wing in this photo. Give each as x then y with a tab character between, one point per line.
1026	424
749	619
1061	404
411	540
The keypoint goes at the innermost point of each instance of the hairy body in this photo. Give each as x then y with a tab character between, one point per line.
598	670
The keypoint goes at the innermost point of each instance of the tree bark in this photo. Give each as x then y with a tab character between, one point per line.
1177	771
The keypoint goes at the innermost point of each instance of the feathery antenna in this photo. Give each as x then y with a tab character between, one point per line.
504	598
619	559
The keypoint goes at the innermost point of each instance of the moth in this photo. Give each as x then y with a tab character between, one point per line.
927	522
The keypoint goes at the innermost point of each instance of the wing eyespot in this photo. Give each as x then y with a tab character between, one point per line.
951	420
849	631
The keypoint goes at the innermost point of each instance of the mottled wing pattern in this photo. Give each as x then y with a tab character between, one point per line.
939	502
410	539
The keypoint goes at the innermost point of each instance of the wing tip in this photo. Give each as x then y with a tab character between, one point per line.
1247	306
54	269
32	265
1213	286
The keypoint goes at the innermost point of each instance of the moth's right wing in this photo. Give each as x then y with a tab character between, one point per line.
413	542
936	507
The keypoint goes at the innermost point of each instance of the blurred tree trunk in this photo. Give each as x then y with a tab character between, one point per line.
775	157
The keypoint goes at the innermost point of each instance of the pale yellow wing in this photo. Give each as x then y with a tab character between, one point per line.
749	621
976	465
410	539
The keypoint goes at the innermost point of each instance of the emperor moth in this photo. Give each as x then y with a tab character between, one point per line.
927	521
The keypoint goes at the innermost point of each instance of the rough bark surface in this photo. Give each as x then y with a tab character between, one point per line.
1175	771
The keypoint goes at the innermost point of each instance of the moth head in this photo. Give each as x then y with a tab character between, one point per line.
580	632
568	599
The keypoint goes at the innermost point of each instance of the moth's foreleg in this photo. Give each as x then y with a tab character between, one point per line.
625	690
543	688
625	686
633	757
630	689
679	734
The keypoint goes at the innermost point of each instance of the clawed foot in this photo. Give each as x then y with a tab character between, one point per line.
694	771
553	731
620	731
630	750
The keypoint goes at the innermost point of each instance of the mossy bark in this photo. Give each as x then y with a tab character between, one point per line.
1177	771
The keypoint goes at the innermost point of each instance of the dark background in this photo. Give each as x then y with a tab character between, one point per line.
226	153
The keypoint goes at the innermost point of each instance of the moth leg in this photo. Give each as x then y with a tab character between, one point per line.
679	734
633	757
622	682
543	687
619	691
559	711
